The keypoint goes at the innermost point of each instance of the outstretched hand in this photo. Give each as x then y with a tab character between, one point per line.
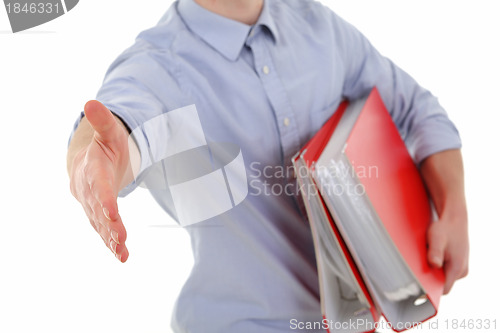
98	172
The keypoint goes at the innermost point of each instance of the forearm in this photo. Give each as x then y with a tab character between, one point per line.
443	174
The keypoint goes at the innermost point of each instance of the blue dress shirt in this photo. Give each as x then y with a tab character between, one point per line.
266	89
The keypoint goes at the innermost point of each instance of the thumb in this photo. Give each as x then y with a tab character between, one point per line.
102	121
436	241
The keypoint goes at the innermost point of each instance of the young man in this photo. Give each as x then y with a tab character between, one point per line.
263	76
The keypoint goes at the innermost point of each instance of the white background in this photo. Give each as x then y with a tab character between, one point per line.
55	273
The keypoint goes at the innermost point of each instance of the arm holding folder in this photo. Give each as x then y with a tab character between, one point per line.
432	141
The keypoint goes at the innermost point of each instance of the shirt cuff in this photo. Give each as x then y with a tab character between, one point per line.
434	135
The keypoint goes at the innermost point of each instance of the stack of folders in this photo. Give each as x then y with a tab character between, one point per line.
369	213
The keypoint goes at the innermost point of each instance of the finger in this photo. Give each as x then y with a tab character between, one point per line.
123	256
102	200
120	251
452	273
102	121
118	232
106	210
108	240
108	229
112	232
456	267
101	229
447	287
436	241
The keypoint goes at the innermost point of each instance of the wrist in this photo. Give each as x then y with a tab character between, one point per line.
454	211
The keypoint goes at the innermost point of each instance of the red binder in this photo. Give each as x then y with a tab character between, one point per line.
378	230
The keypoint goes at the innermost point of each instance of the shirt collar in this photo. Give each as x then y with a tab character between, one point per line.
225	35
266	19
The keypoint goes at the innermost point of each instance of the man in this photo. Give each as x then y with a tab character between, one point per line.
264	76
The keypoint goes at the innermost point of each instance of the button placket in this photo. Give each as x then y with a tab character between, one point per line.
278	97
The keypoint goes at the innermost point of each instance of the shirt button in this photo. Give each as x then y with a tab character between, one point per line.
265	69
286	121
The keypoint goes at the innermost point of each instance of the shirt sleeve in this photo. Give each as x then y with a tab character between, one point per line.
422	122
136	89
134	103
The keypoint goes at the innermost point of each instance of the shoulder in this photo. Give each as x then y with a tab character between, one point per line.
313	20
170	29
311	13
155	48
